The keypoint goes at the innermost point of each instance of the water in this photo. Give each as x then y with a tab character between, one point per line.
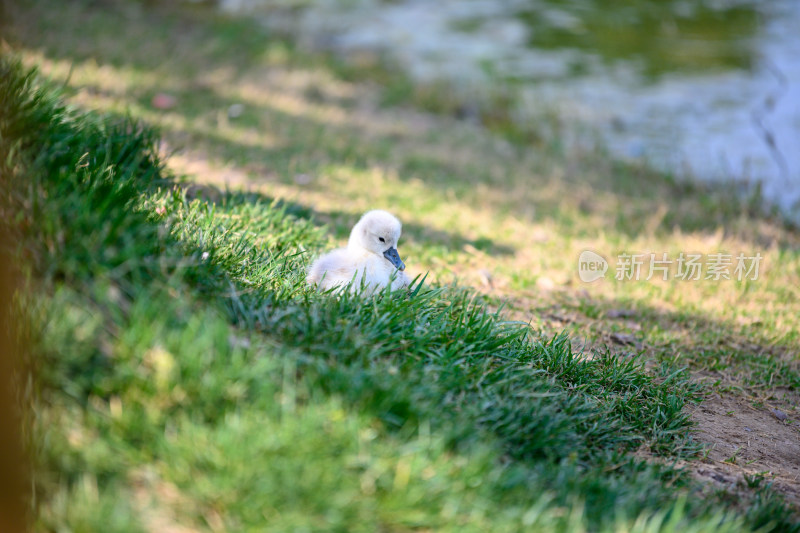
708	90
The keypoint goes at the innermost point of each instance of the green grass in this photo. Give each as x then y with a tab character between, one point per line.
187	375
116	247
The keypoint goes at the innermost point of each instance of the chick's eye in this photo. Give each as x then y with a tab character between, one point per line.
381	239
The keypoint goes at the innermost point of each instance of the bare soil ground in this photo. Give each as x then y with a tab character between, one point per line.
746	441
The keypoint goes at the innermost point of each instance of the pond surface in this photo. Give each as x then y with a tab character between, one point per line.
705	89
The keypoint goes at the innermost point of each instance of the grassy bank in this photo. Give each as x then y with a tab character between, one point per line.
189	377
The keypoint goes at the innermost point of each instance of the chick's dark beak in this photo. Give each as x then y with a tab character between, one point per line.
394	258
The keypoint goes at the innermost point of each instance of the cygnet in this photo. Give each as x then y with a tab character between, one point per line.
370	259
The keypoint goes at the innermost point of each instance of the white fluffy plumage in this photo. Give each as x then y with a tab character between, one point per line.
370	257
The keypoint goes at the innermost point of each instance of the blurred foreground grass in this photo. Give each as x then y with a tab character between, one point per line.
188	376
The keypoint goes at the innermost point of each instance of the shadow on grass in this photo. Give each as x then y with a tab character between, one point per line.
722	353
195	53
200	56
719	351
339	221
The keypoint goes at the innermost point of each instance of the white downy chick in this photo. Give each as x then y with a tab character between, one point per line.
370	258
